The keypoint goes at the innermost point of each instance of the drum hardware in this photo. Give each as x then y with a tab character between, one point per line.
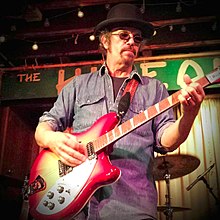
163	208
178	165
169	167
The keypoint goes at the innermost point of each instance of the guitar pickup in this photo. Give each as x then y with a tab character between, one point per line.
64	169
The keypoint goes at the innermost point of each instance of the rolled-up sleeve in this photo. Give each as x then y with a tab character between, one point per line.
60	116
163	121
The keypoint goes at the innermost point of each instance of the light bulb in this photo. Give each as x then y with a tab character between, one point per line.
35	46
170	27
80	14
92	37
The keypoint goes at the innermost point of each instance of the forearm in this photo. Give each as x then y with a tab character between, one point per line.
177	133
42	134
63	144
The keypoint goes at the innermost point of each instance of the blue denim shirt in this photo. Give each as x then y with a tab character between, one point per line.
85	99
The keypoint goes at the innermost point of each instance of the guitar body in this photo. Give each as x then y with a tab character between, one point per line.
57	191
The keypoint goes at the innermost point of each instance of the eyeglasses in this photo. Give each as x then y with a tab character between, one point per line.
125	35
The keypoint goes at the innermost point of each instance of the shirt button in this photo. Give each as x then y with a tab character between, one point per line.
88	101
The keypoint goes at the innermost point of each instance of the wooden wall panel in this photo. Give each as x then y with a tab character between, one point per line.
18	151
17	147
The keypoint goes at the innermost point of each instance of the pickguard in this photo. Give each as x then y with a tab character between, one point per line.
66	188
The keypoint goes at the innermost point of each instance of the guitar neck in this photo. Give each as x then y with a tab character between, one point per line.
150	113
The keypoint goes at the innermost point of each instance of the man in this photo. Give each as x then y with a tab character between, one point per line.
90	96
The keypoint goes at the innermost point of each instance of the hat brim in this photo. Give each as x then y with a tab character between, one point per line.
146	28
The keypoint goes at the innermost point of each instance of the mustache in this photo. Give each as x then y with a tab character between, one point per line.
130	49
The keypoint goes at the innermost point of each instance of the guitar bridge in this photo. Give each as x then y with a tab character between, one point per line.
91	151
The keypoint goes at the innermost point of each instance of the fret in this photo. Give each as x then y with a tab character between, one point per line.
114	134
146	115
111	135
170	100
117	132
157	106
107	136
132	122
120	130
175	99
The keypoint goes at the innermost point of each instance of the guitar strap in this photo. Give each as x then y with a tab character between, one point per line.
124	103
24	215
127	97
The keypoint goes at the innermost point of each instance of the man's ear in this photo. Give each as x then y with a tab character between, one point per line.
104	41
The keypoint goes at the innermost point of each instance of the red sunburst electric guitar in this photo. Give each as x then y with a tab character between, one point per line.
57	191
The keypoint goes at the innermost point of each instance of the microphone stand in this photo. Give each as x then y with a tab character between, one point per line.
210	190
201	177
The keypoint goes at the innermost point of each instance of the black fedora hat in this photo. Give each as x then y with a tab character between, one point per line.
125	15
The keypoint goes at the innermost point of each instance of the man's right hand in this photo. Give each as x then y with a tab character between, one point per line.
64	145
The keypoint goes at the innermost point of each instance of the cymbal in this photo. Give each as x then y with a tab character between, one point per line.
177	165
163	208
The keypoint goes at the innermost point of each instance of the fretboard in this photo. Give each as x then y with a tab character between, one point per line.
147	115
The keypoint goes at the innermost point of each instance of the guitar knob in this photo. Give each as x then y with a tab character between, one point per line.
50	195
61	199
45	203
50	205
60	189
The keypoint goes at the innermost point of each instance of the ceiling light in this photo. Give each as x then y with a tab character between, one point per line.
80	13
170	27
35	46
92	37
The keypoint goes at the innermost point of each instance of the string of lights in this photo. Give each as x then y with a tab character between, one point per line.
75	36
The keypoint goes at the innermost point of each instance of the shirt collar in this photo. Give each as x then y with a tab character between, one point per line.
134	74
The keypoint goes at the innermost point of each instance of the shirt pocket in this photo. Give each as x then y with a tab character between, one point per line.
87	110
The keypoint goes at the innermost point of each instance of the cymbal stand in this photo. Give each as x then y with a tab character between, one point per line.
168	212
